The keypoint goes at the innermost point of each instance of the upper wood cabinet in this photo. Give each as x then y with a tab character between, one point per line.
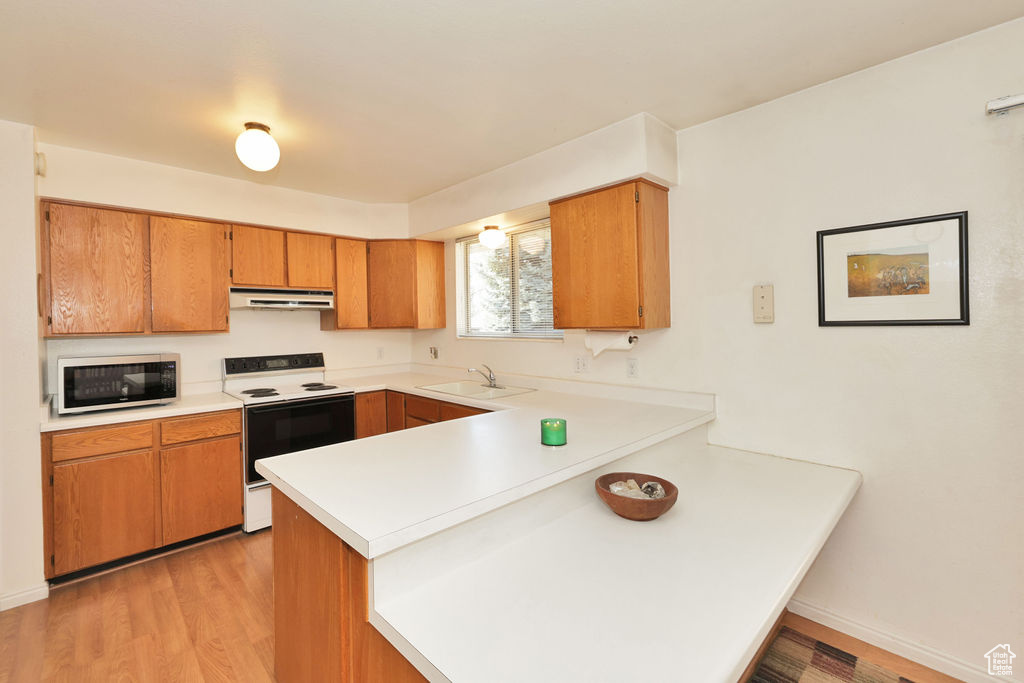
351	305
190	263
610	260
258	257
310	261
94	278
406	284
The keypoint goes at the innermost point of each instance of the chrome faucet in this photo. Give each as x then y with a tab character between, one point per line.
489	376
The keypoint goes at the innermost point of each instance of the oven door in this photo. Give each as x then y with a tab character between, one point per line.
274	429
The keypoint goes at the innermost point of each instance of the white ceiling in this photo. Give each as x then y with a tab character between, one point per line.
389	101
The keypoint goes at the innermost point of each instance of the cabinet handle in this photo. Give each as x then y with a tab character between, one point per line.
39	293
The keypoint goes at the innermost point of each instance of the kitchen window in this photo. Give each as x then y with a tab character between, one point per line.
506	292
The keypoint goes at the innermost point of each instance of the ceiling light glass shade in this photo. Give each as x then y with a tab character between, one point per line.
256	148
491	237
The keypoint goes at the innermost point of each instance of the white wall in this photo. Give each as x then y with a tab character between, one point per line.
930	554
105	179
21	548
638	146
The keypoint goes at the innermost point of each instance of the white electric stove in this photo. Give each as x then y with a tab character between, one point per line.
289	407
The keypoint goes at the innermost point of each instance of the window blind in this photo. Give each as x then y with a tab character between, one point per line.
506	292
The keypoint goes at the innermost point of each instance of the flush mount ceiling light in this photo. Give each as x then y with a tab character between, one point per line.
491	237
256	148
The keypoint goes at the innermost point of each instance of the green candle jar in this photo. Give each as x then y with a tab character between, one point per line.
552	431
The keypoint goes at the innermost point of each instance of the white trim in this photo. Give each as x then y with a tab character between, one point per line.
19	598
916	652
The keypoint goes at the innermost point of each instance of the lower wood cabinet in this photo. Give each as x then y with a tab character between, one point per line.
116	490
200	488
103	508
371	414
396	410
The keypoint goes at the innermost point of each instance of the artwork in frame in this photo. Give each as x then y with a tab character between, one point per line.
907	272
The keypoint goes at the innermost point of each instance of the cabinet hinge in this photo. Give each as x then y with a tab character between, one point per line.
51	480
49	320
640	311
231	235
636	196
231	272
52	562
47	215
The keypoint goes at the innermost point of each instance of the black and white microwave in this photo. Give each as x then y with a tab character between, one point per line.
105	382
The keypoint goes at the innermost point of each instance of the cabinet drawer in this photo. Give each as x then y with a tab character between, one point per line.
453	411
423	408
102	441
200	427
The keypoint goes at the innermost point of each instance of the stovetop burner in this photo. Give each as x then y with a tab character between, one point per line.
320	387
312	384
258	390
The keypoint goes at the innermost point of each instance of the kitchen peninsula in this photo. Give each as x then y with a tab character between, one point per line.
480	554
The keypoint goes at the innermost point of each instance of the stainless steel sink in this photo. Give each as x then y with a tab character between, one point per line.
472	389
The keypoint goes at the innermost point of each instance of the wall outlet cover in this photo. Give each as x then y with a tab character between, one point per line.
764	303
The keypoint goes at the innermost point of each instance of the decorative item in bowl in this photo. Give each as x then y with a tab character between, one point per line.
638	496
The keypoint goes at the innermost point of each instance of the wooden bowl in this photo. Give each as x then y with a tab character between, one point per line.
636	509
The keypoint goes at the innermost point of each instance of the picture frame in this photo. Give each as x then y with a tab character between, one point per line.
905	272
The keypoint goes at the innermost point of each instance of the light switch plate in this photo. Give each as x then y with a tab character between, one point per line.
764	303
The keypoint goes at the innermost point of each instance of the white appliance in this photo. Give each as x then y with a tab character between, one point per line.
281	299
288	407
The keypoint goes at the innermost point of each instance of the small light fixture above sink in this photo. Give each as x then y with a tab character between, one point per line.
492	237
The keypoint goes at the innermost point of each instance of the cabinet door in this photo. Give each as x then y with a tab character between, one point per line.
200	488
310	261
350	300
453	411
392	283
426	409
396	411
257	257
97	270
430	302
371	414
189	275
594	260
103	509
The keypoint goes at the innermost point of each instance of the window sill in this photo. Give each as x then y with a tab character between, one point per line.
461	337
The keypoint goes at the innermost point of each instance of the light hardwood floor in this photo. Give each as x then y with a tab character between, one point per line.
201	614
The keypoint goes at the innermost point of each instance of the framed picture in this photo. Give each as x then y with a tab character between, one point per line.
909	272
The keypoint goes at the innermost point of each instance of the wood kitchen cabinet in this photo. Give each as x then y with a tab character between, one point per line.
103	508
190	281
610	260
396	410
351	303
95	269
371	414
200	487
117	490
257	257
310	261
406	284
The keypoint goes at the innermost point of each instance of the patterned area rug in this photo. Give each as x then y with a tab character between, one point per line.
794	658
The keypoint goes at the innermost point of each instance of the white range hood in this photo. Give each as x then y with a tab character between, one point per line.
281	299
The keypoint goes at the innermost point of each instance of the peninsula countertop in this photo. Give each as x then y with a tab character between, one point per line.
383	492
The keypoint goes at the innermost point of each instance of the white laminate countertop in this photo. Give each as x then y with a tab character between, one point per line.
383	492
558	588
187	405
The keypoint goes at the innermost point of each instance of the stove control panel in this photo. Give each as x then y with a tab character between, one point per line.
294	361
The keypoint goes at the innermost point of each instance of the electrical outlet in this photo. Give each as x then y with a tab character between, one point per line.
433	353
582	364
764	303
380	353
632	368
